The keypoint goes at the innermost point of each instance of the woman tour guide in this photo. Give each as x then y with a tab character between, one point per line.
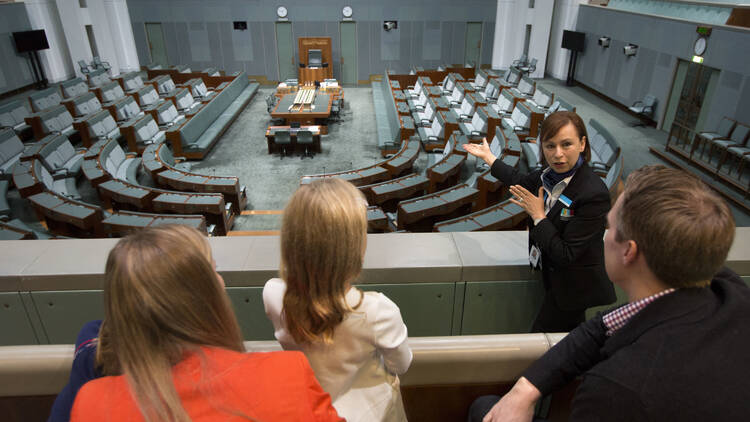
567	205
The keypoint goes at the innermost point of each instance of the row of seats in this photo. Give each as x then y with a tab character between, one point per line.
711	150
195	138
159	162
52	164
115	175
459	110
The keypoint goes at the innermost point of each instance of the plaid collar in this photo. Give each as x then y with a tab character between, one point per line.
620	316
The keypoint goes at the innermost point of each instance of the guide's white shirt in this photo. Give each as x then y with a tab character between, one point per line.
360	368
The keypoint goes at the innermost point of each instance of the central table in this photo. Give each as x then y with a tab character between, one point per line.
318	114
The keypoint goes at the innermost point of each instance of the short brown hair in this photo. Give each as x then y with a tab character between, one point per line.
323	241
556	121
681	226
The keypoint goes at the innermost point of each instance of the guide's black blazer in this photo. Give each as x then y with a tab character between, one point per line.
572	247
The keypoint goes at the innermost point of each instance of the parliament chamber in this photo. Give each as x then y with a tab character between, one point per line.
157	132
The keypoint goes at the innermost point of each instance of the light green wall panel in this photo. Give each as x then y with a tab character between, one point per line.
248	306
747	280
501	307
285	50
427	308
63	313
348	53
15	327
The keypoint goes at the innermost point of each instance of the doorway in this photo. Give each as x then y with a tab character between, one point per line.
693	86
156	45
473	47
348	53
285	49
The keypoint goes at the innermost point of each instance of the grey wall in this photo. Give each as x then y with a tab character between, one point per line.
15	69
200	33
661	42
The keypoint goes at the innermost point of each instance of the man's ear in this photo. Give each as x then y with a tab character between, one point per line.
631	253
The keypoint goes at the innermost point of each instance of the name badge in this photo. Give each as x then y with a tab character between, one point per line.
565	200
535	257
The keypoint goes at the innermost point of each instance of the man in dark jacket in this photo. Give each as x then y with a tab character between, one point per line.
678	349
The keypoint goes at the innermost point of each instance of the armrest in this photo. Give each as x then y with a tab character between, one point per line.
432	138
59	174
180	159
636	103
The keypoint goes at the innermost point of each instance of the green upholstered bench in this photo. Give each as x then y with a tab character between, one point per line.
195	138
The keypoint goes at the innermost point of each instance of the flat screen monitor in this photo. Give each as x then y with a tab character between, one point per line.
573	40
30	40
314	58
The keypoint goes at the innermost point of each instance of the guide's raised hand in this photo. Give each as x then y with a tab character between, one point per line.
481	151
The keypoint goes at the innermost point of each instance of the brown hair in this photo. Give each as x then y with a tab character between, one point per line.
323	240
683	229
162	298
556	121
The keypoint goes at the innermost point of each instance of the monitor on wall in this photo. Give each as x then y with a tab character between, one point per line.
573	40
314	58
30	40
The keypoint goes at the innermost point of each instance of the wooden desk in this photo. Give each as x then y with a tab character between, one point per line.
388	194
419	214
272	147
317	115
312	74
377	222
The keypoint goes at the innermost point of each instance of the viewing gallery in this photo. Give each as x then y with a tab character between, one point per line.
123	115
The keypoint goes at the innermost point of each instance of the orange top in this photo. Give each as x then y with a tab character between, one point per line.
220	384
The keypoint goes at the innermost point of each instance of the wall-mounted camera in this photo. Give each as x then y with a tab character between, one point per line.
390	25
604	42
630	50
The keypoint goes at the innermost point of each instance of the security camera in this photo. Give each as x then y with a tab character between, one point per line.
389	25
630	50
604	42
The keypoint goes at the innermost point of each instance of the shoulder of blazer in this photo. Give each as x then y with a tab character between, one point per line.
585	185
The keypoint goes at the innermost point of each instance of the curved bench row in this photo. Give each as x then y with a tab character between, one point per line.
114	174
396	165
159	162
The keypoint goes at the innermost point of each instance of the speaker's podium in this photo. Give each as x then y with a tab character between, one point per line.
315	60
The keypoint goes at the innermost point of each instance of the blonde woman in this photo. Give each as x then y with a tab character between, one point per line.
170	331
356	342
